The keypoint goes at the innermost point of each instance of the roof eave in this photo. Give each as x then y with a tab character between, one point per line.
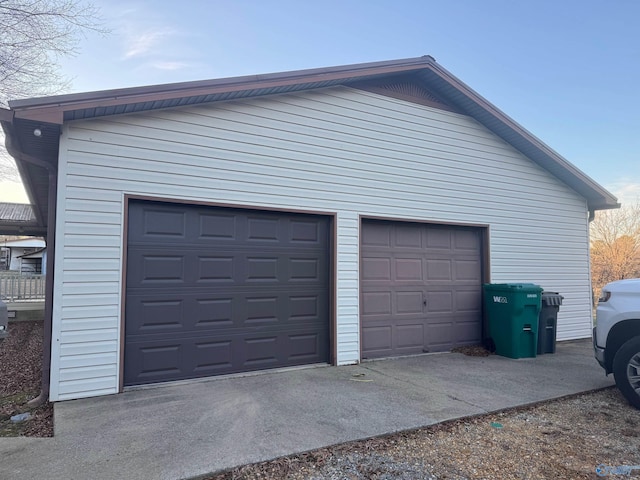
31	229
53	109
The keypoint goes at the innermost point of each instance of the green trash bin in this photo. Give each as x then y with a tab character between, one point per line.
511	312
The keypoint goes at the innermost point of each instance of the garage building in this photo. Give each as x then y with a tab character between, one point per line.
323	216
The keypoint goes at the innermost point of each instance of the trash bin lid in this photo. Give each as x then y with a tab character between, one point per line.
513	286
552	299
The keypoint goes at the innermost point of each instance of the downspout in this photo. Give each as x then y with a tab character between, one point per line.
50	243
48	289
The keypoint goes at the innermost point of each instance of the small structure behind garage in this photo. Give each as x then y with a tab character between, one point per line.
319	216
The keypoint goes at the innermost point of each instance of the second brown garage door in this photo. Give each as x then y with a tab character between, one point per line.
420	288
217	290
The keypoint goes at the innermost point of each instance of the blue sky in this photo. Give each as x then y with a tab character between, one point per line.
568	71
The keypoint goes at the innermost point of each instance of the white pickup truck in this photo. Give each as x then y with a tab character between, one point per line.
616	337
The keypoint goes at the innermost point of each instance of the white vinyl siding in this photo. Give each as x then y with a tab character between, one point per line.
336	150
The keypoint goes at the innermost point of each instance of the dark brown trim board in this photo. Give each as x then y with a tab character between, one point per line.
333	288
123	290
204	203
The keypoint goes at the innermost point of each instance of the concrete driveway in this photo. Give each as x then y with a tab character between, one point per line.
185	430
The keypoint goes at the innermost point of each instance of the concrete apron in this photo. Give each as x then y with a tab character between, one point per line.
185	430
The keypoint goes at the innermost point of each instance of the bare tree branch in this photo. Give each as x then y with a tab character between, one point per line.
8	170
615	245
34	34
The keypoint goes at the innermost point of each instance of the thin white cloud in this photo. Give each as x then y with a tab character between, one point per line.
147	42
168	65
627	191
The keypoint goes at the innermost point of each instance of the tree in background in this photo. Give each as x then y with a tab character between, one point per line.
615	245
34	35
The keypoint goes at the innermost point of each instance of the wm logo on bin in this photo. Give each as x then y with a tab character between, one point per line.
497	299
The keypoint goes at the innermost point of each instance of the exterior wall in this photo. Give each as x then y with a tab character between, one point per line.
15	261
14	258
335	150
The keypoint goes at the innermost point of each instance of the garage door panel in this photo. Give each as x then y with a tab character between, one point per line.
213	357
213	312
305	232
430	299
468	269
215	268
301	269
152	268
408	269
260	229
163	222
440	337
155	361
468	301
438	238
216	227
408	236
208	311
378	234
181	358
305	347
223	291
468	332
162	269
376	339
374	268
439	302
409	303
410	336
202	225
438	269
467	240
376	303
159	314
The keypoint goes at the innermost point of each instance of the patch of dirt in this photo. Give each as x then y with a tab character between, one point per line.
472	350
566	438
20	379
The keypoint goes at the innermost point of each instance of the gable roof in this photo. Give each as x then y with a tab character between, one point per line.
37	155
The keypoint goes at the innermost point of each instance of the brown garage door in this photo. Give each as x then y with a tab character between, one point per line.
214	290
420	288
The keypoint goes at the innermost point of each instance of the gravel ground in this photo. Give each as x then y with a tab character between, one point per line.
20	378
560	439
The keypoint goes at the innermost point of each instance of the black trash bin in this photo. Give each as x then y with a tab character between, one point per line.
4	320
548	322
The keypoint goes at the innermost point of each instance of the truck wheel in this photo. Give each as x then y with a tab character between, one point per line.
626	370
